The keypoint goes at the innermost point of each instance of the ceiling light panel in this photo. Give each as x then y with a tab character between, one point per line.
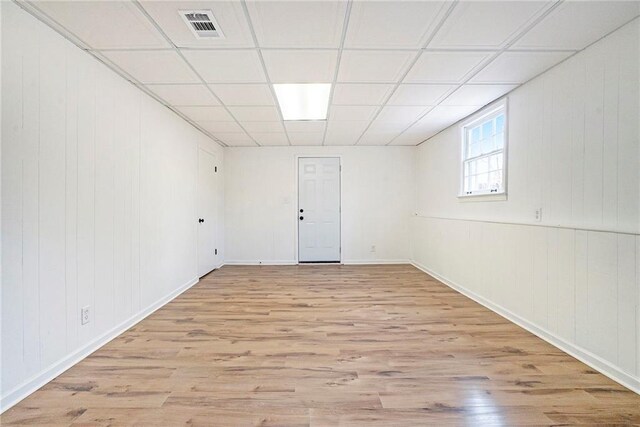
297	23
226	66
373	66
485	24
184	94
243	94
105	24
228	14
153	66
303	101
577	24
444	67
392	24
300	66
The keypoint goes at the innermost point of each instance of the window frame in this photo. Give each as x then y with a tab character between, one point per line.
491	111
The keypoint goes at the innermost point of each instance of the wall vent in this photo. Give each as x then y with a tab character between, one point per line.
202	24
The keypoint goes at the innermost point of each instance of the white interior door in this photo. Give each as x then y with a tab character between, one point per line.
207	220
319	209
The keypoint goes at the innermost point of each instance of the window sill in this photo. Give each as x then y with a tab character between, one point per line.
483	197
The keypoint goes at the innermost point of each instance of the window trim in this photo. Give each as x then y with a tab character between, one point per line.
493	109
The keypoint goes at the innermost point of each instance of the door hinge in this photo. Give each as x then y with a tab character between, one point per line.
215	169
216	252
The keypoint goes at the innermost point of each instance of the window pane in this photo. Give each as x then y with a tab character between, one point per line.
500	140
483	165
474	149
487	129
500	123
475	134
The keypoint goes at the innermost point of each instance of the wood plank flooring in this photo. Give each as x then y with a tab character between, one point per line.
325	346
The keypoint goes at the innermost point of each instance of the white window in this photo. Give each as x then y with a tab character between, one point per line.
484	142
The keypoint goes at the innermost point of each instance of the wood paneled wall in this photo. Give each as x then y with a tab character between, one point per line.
98	199
573	151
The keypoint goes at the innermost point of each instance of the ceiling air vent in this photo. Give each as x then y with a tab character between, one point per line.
202	24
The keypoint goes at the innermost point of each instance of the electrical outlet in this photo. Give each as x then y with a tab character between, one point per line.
373	248
85	315
538	214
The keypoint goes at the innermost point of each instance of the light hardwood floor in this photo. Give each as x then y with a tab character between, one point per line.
324	346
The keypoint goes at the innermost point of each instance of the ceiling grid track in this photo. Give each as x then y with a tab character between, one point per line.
264	68
397	84
36	12
472	73
202	80
345	27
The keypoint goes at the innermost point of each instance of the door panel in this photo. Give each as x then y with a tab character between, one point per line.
319	209
207	220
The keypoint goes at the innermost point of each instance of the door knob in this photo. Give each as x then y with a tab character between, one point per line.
301	218
200	220
301	210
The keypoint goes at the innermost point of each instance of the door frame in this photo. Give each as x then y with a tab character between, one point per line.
296	205
197	209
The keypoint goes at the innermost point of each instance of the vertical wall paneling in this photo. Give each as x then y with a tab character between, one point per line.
88	161
574	151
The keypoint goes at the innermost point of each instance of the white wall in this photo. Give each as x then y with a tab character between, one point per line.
261	202
574	151
98	202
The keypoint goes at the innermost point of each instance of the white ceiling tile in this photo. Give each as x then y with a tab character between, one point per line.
518	67
105	24
360	93
409	138
440	118
153	66
236	139
383	126
347	127
377	138
444	67
400	114
419	94
306	138
243	94
220	127
339	140
226	66
352	113
206	114
392	24
255	114
486	24
270	138
229	15
577	24
297	23
477	94
184	94
262	127
373	66
305	125
300	66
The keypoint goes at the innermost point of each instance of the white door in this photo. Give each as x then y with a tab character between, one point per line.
207	220
319	209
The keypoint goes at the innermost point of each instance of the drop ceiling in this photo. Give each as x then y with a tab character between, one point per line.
401	70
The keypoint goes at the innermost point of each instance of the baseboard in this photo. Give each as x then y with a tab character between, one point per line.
253	262
375	261
583	355
34	383
293	262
